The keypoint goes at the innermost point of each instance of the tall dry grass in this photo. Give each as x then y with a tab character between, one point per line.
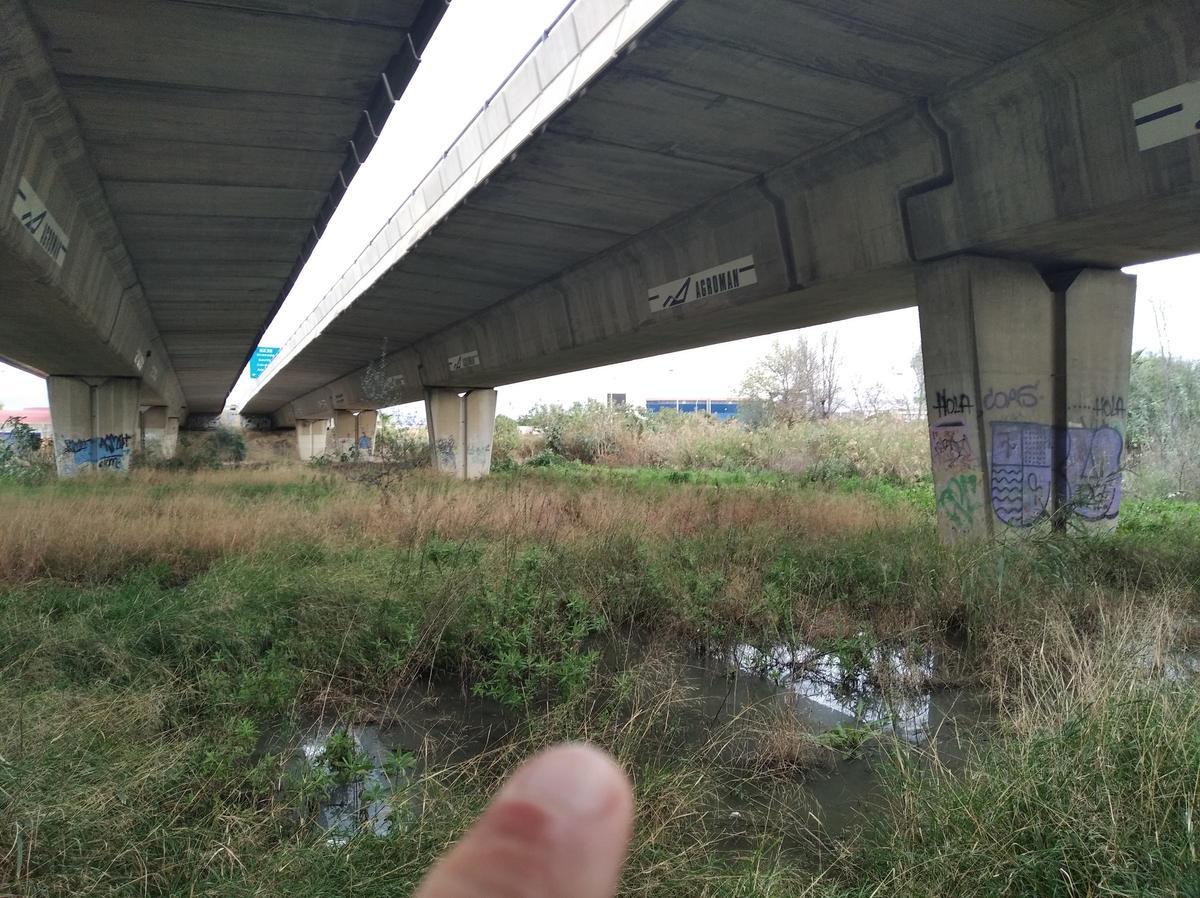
883	446
1089	786
95	529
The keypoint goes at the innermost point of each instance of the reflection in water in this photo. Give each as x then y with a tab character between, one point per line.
360	778
873	687
854	688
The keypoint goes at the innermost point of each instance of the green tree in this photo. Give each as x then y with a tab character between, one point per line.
1164	400
798	381
1163	429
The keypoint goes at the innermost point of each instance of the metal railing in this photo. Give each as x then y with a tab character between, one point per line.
568	37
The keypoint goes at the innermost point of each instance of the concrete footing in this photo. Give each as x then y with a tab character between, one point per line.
160	431
1026	381
95	422
346	434
353	432
461	425
311	437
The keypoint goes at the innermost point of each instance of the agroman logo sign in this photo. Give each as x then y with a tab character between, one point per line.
1169	116
31	212
465	360
711	282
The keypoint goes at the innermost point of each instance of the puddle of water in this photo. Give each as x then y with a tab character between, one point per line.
867	692
842	698
371	794
876	689
359	796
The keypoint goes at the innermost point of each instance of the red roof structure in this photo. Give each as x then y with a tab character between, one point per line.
37	418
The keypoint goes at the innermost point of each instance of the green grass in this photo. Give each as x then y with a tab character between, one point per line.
147	713
1091	787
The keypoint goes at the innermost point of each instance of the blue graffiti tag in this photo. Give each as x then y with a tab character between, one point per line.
1024	464
109	451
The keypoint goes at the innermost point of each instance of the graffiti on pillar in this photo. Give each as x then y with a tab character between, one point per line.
1022	472
109	452
1024	396
950	445
364	444
952	403
480	456
1103	406
447	453
1093	472
1023	466
959	501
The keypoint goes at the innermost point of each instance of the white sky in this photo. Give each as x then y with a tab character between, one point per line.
476	46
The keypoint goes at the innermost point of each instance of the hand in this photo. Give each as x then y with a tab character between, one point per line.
559	828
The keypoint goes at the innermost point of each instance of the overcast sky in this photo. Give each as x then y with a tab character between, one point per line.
476	46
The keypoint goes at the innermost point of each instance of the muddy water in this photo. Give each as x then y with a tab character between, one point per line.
854	695
844	697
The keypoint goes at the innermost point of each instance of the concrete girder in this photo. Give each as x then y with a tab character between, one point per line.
72	303
1035	158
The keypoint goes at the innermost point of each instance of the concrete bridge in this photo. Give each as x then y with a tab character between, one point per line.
166	168
662	175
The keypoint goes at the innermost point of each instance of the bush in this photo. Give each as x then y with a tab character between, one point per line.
506	442
406	447
1163	432
21	458
200	450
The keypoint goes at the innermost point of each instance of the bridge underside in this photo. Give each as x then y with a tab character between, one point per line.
838	145
741	169
204	144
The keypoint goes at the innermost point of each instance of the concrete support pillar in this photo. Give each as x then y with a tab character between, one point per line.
170	441
311	437
1026	384
460	430
368	421
160	431
354	431
1097	309
95	422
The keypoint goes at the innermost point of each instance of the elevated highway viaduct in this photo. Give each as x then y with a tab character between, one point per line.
165	170
663	175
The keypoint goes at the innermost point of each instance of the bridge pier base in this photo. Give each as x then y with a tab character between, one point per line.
461	425
95	422
160	431
353	431
1026	380
311	437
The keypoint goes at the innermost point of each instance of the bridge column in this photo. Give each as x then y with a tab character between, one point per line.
95	422
460	430
1026	382
311	437
160	431
354	430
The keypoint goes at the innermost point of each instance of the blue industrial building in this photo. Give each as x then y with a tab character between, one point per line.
721	409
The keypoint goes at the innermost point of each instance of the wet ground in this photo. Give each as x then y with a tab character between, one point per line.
849	699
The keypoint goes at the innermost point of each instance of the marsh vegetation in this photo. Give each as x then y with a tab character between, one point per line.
224	681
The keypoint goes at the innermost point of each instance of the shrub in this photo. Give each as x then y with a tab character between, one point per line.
21	458
201	449
506	442
406	447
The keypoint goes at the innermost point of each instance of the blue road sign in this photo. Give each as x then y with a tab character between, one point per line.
263	356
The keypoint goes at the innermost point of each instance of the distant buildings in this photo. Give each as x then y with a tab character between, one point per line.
37	418
721	409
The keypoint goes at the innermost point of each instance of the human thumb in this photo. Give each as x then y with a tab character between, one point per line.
559	828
